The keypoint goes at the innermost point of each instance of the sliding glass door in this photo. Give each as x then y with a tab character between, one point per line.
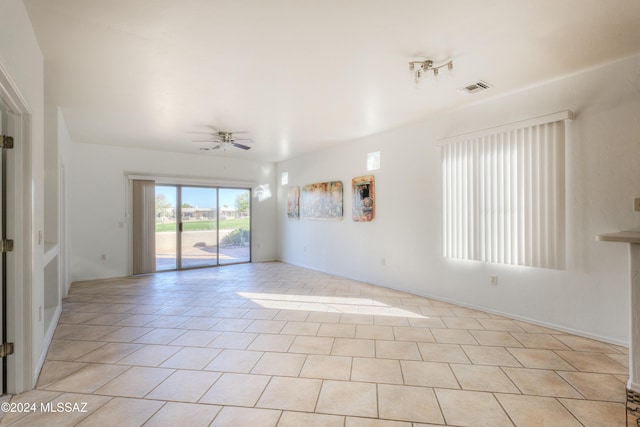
235	225
166	227
199	226
199	231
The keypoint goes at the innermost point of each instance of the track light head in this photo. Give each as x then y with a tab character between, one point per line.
427	65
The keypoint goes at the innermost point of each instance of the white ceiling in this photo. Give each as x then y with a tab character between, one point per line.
301	74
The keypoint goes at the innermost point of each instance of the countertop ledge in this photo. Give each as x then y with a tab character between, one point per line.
620	236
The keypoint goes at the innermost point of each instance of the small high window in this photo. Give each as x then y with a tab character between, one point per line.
373	161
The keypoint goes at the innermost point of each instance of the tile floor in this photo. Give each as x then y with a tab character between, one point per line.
277	345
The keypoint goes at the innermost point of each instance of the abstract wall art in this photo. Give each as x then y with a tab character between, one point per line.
322	201
293	202
364	200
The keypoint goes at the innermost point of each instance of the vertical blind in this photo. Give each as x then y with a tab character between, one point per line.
143	225
503	194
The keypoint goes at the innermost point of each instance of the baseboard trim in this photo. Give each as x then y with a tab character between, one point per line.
48	338
560	328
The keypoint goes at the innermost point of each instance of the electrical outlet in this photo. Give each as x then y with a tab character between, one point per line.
636	204
494	279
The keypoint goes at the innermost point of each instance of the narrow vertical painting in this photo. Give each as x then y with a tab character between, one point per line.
322	201
364	200
293	202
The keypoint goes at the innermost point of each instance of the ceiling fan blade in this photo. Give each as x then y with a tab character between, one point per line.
209	148
207	140
204	133
244	147
217	132
246	140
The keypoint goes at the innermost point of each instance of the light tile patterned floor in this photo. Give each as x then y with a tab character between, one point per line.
277	345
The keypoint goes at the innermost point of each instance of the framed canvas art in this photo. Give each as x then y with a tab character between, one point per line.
322	201
293	202
364	200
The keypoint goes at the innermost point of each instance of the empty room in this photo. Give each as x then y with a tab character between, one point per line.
320	213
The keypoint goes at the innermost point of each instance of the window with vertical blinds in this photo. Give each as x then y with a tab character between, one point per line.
503	194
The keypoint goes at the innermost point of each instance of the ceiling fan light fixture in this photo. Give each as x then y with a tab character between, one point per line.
223	140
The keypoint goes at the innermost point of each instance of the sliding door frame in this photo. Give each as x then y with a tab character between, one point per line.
179	182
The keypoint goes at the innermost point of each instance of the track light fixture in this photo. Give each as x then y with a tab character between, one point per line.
421	68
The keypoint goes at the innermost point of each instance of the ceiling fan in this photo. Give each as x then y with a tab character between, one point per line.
223	140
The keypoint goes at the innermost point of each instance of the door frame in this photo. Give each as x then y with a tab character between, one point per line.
22	370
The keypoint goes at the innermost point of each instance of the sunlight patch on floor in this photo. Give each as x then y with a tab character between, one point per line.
327	304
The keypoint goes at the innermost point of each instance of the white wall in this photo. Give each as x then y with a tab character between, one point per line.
21	60
603	175
97	184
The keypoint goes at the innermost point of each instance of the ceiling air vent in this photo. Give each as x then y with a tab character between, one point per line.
476	87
